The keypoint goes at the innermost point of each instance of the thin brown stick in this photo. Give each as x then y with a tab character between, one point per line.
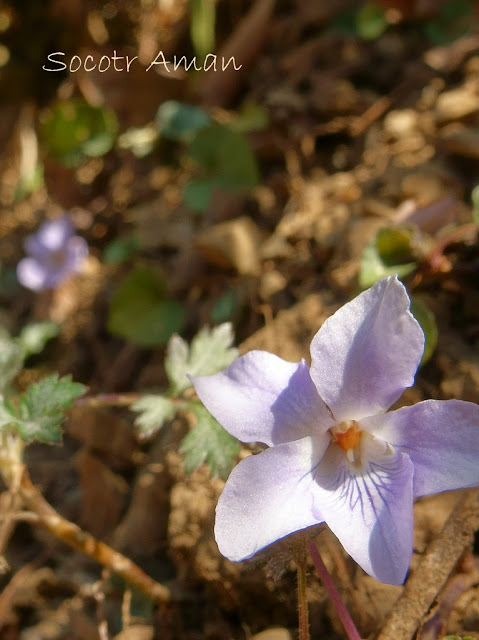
81	540
433	570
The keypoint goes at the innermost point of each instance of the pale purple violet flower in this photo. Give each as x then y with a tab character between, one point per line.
54	253
334	454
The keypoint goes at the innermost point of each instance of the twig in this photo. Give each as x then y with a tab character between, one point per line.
303	613
433	570
75	537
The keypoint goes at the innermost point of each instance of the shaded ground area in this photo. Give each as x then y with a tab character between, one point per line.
351	135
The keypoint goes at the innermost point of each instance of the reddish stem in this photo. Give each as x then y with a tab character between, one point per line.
333	593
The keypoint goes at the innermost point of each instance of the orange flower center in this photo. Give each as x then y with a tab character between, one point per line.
347	435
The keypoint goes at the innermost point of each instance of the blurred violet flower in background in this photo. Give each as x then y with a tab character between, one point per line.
334	454
54	253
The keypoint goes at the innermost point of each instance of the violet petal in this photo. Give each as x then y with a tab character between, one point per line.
440	437
367	353
262	398
267	497
370	511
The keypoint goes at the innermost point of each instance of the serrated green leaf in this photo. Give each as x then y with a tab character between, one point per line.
11	359
209	443
6	416
210	352
34	337
41	408
140	311
427	320
153	410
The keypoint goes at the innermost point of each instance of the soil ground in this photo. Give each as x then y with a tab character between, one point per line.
361	134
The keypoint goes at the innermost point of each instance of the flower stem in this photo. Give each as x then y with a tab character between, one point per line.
303	618
333	593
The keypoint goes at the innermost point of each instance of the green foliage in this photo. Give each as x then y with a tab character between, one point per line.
73	130
209	443
11	359
29	182
226	161
222	152
390	252
210	352
371	21
197	193
153	410
121	249
475	204
139	140
40	410
251	117
427	320
225	306
180	122
34	336
141	312
454	20
14	351
202	26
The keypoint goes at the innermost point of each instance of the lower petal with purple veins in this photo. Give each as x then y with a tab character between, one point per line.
369	506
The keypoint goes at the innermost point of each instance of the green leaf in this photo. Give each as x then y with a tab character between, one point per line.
73	130
225	306
11	359
41	409
252	117
427	320
454	20
209	443
395	246
121	249
202	26
180	122
225	155
7	417
153	410
29	182
34	337
371	21
139	140
475	204
197	193
141	312
210	352
390	252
